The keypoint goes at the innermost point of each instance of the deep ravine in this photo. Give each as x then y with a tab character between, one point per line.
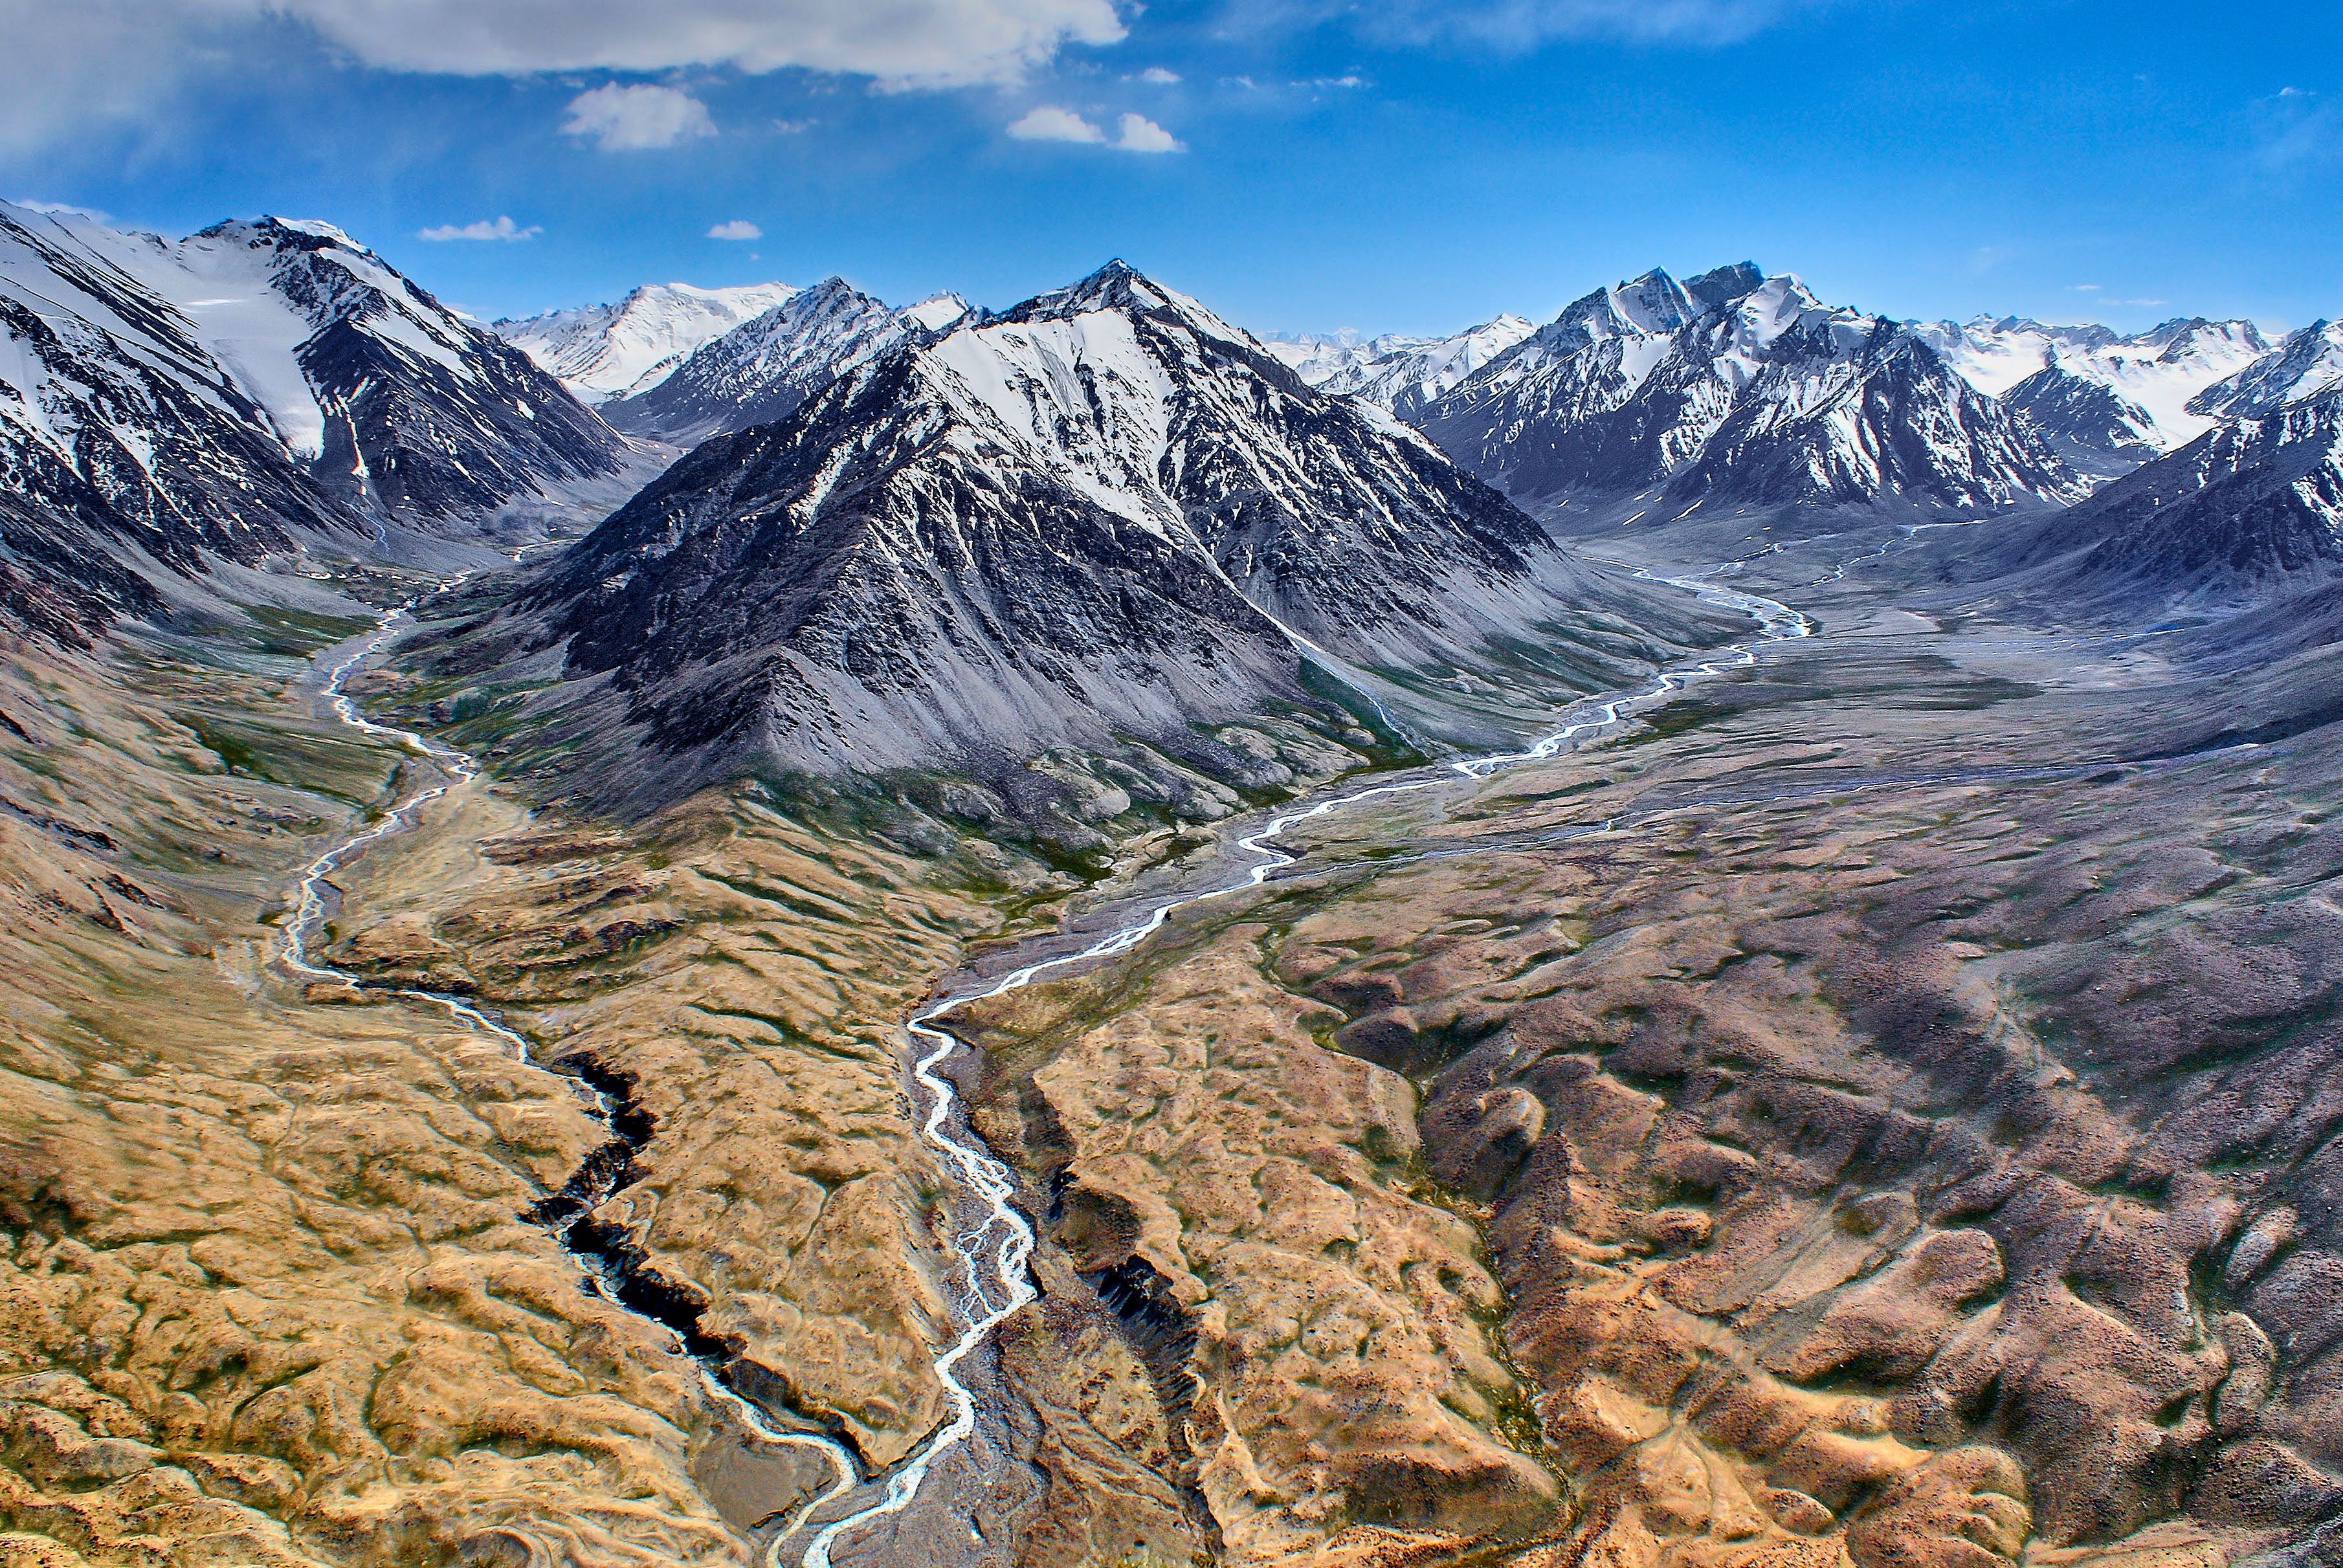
614	1266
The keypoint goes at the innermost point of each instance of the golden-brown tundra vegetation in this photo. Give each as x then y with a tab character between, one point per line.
1879	1108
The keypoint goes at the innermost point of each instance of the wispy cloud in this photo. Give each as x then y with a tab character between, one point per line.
1157	76
1513	25
498	228
2295	129
635	116
1133	132
71	63
738	228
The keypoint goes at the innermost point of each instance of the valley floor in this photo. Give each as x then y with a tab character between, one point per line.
1878	1107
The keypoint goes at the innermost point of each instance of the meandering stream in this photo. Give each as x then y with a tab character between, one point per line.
995	1251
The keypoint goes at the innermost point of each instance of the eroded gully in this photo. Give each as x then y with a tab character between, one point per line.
612	1265
995	1248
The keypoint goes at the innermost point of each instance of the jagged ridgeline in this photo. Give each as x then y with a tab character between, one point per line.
1105	513
258	389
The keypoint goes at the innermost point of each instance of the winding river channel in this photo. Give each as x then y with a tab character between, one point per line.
995	1244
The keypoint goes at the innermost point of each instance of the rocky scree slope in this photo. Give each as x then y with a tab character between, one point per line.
258	388
1742	388
1104	513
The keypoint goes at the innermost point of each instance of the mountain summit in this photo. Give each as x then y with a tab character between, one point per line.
1738	387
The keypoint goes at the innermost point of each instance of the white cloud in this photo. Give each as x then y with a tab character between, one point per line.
739	228
71	63
1157	76
1049	122
1133	132
914	42
637	115
502	228
1138	134
2085	287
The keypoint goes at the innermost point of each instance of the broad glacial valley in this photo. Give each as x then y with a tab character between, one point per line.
755	927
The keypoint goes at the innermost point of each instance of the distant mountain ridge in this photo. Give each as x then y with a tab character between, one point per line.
2149	380
1741	388
603	352
1396	371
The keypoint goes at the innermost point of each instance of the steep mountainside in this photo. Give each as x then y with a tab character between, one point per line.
423	415
125	444
371	385
1103	513
2254	507
2125	396
1738	387
761	369
1395	371
606	351
258	387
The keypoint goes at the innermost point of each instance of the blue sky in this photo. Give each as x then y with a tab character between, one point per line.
1402	165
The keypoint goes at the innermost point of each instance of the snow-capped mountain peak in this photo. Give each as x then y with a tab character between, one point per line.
938	311
759	370
1736	384
605	352
1120	286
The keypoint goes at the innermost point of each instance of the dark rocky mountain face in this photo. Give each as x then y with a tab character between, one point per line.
1739	387
2096	428
2254	508
762	369
1105	512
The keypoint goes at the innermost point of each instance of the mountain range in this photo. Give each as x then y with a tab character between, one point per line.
1105	512
911	532
607	351
1396	371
